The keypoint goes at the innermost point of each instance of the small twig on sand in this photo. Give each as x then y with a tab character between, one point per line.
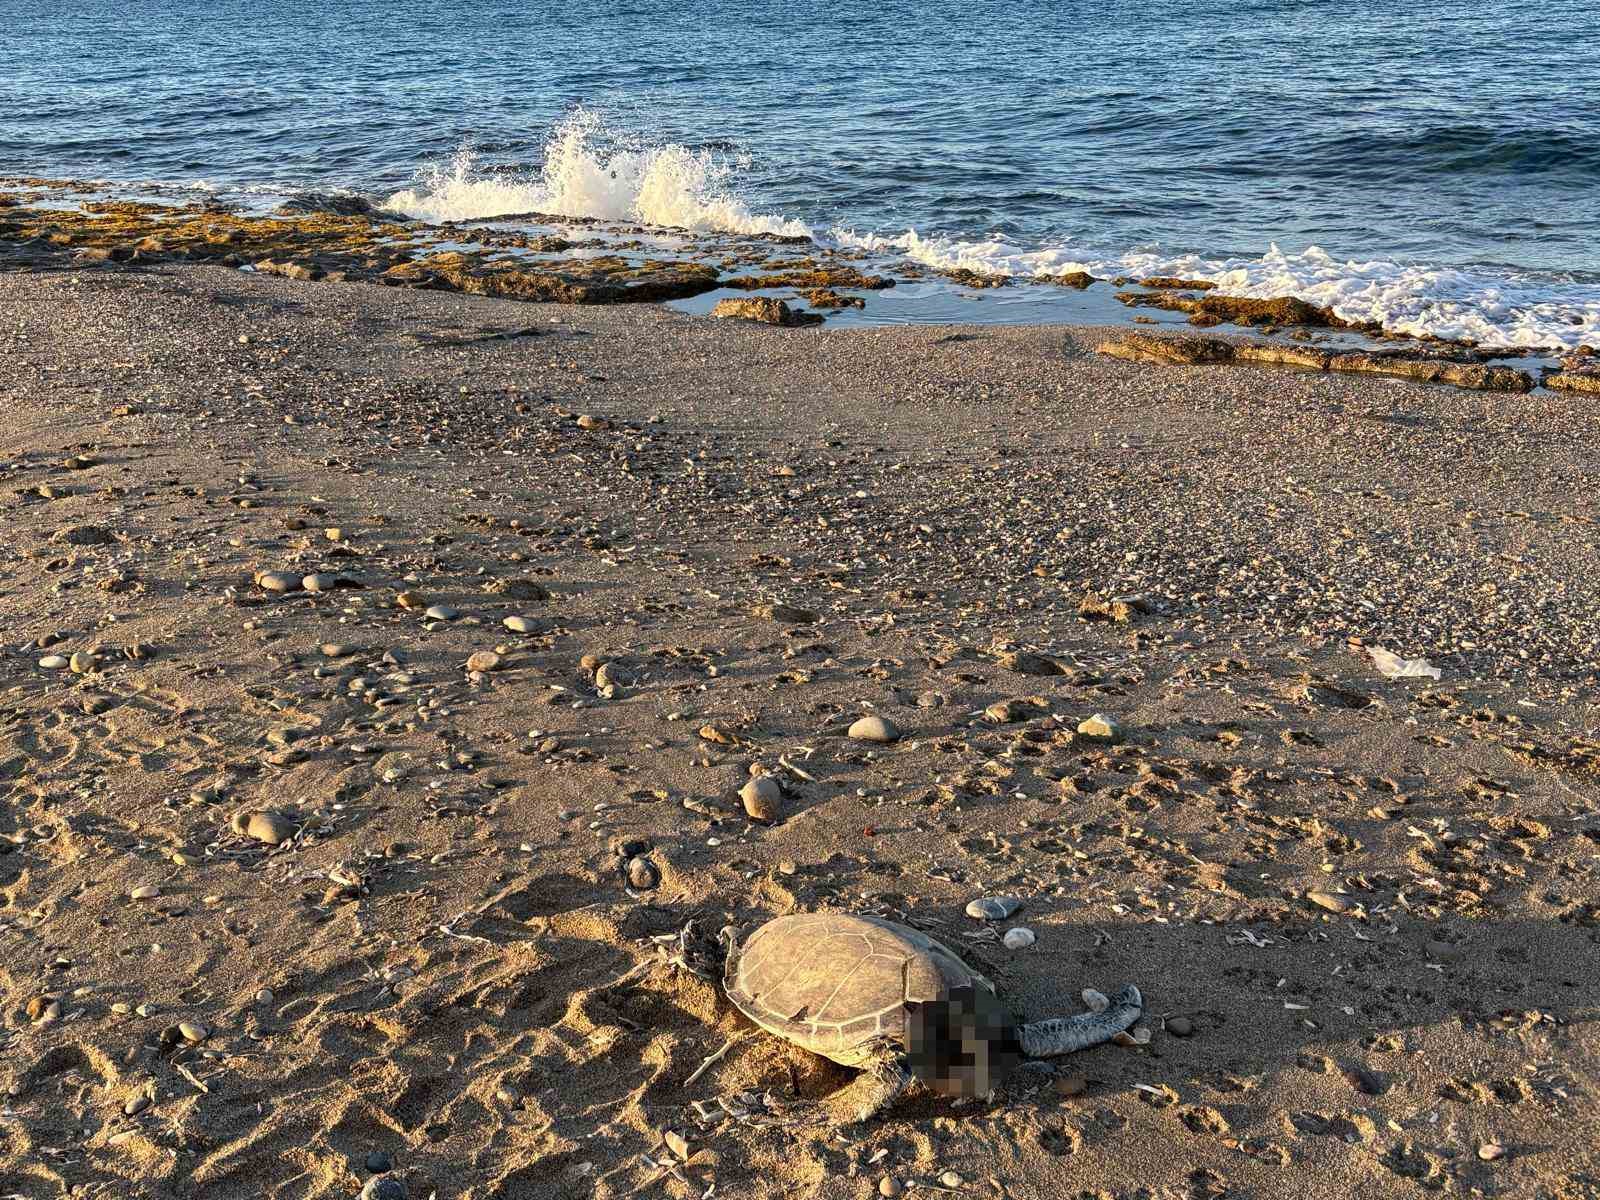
794	770
710	1061
189	1075
627	976
465	937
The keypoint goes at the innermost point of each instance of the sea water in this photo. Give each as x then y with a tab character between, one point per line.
1432	166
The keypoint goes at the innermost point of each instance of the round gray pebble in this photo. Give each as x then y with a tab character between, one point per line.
993	908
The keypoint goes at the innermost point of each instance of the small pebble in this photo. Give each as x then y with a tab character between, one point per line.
379	1161
484	661
642	874
789	614
441	612
1180	1027
278	581
993	908
521	589
521	624
1101	728
1490	1151
383	1187
1019	938
951	1179
53	662
1003	712
762	798
269	827
890	1186
1330	901
136	1105
148	892
874	729
1071	1085
1364	1081
193	1031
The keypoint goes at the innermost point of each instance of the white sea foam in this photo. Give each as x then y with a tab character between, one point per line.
590	170
1492	309
586	174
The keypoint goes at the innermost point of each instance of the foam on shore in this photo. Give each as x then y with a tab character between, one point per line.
1422	301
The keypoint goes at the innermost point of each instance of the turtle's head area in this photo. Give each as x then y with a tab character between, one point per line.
964	1044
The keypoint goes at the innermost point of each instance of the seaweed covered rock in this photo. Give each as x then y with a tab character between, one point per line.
1071	279
966	277
767	309
1573	378
828	298
1236	310
1175	284
605	279
806	276
1278	310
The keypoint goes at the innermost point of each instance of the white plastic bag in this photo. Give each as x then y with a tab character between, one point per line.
1392	666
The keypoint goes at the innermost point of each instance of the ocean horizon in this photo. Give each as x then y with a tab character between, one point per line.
1410	170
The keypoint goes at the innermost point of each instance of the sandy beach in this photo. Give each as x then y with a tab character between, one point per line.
303	888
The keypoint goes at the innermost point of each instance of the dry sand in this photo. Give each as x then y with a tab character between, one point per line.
425	969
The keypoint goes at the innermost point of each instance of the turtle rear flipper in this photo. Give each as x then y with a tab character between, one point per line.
891	1075
1063	1035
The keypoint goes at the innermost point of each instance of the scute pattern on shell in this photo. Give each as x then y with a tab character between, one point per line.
837	984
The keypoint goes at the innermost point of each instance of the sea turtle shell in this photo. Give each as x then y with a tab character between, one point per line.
838	984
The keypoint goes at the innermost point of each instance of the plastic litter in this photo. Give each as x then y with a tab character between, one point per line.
1392	666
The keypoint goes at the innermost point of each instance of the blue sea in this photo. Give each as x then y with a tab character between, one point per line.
1433	165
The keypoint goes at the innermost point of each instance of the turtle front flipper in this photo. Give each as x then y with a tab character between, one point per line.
1063	1035
891	1075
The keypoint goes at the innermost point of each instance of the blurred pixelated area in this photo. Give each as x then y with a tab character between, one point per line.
964	1044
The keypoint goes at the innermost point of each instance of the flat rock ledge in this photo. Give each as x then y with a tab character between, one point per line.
1190	349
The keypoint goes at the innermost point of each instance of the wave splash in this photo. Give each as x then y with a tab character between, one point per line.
589	171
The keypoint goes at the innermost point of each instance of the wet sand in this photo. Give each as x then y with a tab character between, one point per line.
289	892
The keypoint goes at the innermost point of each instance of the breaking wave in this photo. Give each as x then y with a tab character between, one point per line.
590	171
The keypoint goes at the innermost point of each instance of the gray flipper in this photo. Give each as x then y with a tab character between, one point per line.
890	1077
1063	1035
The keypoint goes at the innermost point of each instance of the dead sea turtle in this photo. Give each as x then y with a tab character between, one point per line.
867	992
